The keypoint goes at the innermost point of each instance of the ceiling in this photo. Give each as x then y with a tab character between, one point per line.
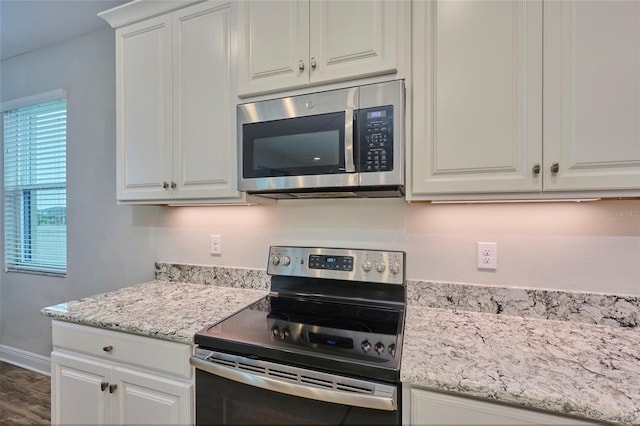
27	25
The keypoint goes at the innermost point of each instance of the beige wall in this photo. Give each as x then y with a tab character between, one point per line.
591	246
105	249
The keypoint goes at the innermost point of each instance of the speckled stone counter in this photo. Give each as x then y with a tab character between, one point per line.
169	311
565	367
570	366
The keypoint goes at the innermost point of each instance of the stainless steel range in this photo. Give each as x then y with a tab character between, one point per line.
324	347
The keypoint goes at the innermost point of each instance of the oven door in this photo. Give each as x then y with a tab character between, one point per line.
236	390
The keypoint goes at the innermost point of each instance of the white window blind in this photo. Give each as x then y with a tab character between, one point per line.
35	187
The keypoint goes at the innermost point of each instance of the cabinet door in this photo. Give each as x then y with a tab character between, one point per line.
148	399
79	391
477	97
143	92
432	408
592	95
204	145
273	45
352	39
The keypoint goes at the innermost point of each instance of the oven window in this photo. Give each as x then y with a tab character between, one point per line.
310	145
225	402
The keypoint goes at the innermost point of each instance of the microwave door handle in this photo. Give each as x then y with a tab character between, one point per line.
349	163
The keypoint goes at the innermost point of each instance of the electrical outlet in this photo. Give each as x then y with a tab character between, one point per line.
215	243
487	256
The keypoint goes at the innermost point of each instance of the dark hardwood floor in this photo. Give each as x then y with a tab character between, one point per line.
24	396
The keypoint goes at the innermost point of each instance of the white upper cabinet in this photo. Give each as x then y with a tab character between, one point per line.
351	39
204	148
477	96
292	44
144	123
175	106
273	45
485	127
592	95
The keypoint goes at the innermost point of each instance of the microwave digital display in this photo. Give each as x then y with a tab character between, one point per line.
376	114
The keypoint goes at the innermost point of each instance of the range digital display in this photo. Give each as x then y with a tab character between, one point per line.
337	263
326	339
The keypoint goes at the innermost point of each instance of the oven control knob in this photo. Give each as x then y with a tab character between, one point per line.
394	268
286	260
392	350
275	330
380	267
367	266
275	259
284	333
379	347
366	346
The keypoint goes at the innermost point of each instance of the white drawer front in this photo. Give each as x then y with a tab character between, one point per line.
146	352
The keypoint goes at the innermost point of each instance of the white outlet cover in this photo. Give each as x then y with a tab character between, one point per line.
487	256
215	244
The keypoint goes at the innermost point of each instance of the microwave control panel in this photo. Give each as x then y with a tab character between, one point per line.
375	126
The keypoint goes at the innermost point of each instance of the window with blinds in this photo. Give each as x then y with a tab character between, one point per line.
35	186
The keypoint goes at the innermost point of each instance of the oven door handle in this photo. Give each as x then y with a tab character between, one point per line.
349	154
386	403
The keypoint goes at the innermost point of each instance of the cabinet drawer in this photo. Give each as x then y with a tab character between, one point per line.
167	357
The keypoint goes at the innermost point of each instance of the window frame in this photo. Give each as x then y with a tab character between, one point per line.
27	193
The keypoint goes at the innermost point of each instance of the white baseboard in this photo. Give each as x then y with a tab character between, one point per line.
29	360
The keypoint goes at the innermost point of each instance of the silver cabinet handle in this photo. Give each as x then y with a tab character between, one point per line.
536	169
386	403
165	185
103	386
301	65
173	185
349	164
112	388
314	64
107	348
555	168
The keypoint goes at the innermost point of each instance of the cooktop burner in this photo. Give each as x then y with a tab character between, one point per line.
353	327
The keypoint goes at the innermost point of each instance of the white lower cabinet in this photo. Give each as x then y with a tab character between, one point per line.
101	377
424	407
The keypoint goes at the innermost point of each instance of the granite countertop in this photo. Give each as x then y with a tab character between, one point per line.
584	370
564	367
169	311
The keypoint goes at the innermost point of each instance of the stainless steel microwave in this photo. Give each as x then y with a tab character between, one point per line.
340	143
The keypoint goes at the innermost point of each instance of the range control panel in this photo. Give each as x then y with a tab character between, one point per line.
337	263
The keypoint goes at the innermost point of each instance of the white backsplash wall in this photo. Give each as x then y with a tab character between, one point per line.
588	246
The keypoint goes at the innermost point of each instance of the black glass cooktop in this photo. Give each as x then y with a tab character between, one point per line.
347	337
